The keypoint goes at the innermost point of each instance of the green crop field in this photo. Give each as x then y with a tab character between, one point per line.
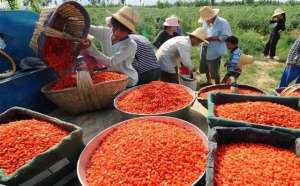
249	23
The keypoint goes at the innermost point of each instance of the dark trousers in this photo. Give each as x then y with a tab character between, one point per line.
229	74
169	77
150	75
270	48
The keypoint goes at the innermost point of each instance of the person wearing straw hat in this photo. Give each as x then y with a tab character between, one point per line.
218	29
118	48
278	19
170	30
108	21
178	49
292	69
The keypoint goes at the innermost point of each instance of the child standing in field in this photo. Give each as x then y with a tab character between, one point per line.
232	64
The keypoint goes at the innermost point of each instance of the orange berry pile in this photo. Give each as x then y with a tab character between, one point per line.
23	140
154	98
260	112
256	164
204	94
148	152
59	55
69	80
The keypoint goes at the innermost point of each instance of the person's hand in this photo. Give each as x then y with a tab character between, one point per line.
225	64
85	43
213	38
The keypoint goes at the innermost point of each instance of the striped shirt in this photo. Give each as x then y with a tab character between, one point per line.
232	64
294	54
145	58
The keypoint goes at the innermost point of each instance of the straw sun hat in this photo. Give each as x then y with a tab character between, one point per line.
171	21
128	17
245	60
277	12
207	13
199	33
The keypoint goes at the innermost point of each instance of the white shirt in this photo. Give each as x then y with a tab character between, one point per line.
117	57
173	50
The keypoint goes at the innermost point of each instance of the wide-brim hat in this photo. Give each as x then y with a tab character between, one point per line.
245	60
199	33
127	17
207	13
171	21
278	11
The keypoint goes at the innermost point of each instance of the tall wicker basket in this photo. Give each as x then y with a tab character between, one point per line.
70	18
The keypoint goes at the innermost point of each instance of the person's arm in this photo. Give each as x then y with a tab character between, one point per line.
297	55
281	26
157	41
226	31
99	32
185	57
117	58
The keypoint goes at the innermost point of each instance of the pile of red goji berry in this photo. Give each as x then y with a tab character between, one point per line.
59	55
148	152
255	164
241	90
260	112
69	80
23	140
154	98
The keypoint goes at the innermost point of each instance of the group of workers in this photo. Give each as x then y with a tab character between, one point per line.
126	51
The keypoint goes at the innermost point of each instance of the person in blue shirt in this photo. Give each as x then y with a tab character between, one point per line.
218	29
232	64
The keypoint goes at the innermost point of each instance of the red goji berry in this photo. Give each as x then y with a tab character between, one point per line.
155	97
260	112
255	164
22	140
59	55
242	90
148	152
69	80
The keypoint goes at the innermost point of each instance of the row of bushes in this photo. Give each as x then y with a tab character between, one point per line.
183	3
249	23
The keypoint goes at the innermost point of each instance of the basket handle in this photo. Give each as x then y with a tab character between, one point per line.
11	61
290	90
85	86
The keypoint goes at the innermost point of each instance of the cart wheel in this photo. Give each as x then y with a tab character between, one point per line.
9	59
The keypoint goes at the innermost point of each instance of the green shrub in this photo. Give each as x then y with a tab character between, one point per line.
250	42
284	45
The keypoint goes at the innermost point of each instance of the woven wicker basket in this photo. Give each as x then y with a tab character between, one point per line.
86	96
70	17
